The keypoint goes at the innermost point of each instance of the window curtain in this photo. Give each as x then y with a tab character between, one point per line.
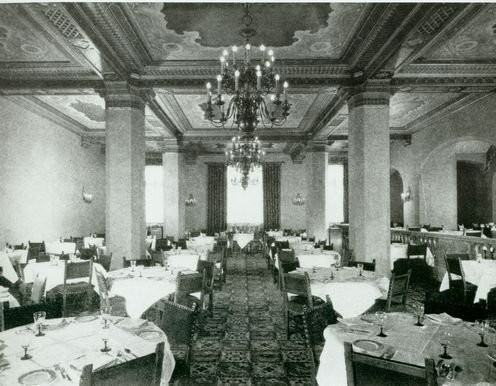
216	210
272	195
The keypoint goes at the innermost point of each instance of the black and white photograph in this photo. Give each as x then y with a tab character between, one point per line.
247	194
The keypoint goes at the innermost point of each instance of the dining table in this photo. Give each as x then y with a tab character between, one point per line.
243	239
481	273
68	344
90	241
59	248
141	287
351	293
8	270
406	342
17	255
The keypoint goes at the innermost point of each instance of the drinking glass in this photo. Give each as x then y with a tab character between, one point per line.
360	269
419	312
133	265
105	312
381	318
25	338
39	317
445	341
482	326
338	265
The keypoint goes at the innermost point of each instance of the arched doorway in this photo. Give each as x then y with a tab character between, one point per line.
396	188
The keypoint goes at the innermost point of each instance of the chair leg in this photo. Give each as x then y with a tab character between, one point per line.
64	304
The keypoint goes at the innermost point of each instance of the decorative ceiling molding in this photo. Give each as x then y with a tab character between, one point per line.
171	128
445	19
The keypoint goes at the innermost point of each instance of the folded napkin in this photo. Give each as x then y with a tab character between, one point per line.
443	318
131	324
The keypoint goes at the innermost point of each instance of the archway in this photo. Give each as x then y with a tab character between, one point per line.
396	188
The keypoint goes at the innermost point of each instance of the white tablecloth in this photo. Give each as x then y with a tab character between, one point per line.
294	241
8	270
399	251
183	261
350	294
324	259
93	241
53	273
275	234
242	239
74	344
56	248
20	255
482	274
142	288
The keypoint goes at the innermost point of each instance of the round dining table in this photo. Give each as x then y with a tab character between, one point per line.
68	344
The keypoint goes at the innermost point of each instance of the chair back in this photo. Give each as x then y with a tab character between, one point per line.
416	250
38	289
176	320
297	284
2	324
398	286
88	253
40	245
105	261
366	365
187	283
78	270
20	316
144	262
181	243
287	256
454	269
33	253
206	268
146	370
42	257
367	265
284	244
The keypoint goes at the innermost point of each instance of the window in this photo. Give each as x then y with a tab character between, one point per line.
244	207
154	194
335	194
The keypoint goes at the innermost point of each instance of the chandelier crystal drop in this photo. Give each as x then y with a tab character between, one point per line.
245	155
255	92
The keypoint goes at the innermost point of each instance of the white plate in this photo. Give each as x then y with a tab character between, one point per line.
37	377
149	334
85	318
368	345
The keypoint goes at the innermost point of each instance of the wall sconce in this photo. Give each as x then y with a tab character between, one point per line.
87	197
298	200
190	201
406	196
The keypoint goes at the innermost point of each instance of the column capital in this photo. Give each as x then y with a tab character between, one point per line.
121	94
373	92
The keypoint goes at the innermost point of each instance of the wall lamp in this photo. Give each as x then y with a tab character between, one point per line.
406	196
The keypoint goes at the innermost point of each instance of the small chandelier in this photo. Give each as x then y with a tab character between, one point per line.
254	86
245	156
298	200
190	201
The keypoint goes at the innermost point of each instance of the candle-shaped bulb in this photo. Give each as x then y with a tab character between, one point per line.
285	85
219	78
222	59
267	64
248	46
236	80
219	84
272	98
259	80
236	73
262	48
234	49
272	59
271	53
257	67
209	85
277	77
225	53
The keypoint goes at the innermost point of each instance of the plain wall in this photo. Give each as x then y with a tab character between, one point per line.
42	174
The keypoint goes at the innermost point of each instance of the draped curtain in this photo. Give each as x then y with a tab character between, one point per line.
216	210
272	195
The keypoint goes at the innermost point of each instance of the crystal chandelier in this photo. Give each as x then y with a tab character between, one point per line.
257	94
245	155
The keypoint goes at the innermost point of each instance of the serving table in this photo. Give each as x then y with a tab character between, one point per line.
350	293
71	343
407	343
481	273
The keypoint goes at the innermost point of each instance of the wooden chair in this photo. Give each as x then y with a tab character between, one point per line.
181	243
286	263
2	323
73	271
144	262
88	253
367	265
40	245
364	369
206	268
23	315
456	276
146	370
105	261
180	325
42	257
187	284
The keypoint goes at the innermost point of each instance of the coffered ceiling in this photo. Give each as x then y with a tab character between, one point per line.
57	59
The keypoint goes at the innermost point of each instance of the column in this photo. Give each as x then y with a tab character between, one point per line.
316	203
125	170
369	164
174	210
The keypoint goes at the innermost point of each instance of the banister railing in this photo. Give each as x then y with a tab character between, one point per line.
441	243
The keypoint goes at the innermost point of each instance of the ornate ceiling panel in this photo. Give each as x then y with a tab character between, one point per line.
196	31
194	107
475	41
20	42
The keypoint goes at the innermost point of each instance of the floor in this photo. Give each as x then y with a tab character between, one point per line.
244	341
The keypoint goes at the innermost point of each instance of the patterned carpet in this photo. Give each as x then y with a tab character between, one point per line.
244	341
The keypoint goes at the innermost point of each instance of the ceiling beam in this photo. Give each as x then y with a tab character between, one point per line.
171	128
392	137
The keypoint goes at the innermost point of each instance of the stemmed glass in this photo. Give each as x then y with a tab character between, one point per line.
104	332
482	326
39	317
338	265
25	337
419	312
360	269
381	318
133	265
105	312
445	341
